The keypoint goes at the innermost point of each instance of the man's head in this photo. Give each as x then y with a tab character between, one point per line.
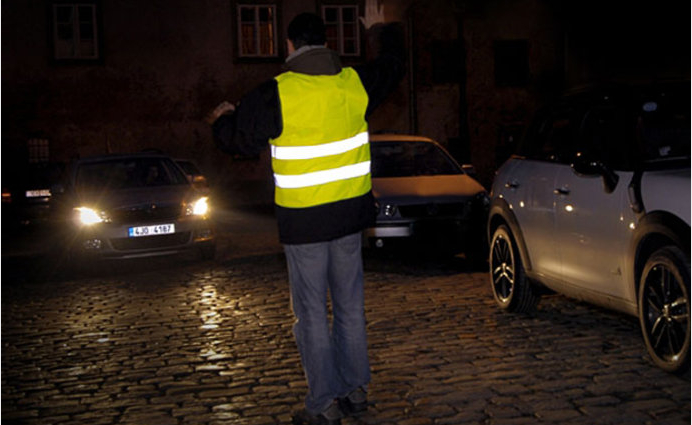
306	29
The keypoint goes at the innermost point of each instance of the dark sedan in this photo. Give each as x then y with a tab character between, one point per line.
128	206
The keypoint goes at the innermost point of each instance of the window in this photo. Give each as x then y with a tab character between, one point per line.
406	159
38	150
75	31
343	31
606	135
511	63
447	61
662	129
257	34
552	137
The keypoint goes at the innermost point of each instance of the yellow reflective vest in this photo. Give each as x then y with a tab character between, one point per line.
322	155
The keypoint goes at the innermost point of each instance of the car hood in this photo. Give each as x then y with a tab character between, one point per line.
123	198
437	188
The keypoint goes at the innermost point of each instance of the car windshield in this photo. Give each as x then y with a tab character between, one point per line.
126	173
189	168
406	159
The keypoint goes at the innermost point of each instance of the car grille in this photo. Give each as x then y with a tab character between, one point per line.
151	242
433	210
146	214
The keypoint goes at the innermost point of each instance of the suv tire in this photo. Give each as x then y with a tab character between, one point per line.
511	288
664	309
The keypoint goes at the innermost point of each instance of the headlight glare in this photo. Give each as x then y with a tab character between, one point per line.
198	207
89	216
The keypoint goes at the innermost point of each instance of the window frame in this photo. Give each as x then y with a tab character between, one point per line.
275	25
340	39
96	22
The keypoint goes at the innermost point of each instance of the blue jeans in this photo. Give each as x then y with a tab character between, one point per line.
334	358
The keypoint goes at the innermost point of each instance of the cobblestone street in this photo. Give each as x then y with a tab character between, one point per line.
178	341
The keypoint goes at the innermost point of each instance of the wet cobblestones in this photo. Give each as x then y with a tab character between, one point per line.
182	342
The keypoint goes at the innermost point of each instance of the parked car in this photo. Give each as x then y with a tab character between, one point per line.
596	205
131	205
193	173
26	193
424	196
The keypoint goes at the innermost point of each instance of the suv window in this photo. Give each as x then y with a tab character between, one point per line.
553	136
663	127
622	129
607	135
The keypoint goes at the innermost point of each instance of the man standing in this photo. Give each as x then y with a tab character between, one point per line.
314	117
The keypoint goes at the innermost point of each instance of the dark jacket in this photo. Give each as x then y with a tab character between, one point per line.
257	119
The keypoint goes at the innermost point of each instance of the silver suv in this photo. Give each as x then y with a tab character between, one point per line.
596	205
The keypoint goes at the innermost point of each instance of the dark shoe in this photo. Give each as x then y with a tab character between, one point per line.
355	402
331	416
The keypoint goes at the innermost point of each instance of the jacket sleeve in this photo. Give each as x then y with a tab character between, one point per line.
256	119
382	75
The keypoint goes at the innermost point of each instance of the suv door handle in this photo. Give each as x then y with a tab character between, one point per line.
512	184
562	191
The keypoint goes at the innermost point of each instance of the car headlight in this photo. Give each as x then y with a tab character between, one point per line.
89	216
198	207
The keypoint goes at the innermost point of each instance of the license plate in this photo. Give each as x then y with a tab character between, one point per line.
158	229
39	193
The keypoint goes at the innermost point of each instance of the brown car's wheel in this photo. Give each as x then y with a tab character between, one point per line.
511	288
664	309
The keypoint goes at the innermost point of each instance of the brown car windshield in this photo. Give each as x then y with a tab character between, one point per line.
408	159
128	173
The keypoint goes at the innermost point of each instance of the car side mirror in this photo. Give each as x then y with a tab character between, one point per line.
583	166
469	169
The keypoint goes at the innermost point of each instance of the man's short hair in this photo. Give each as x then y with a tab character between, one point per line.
307	29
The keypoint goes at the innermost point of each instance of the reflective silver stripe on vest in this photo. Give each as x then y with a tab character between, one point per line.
318	151
321	177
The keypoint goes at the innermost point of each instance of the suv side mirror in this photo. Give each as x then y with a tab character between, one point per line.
583	166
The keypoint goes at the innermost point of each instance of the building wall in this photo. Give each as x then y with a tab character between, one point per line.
498	115
167	63
494	115
571	43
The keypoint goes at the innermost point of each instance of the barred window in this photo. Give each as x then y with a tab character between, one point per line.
38	151
343	31
257	33
75	31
